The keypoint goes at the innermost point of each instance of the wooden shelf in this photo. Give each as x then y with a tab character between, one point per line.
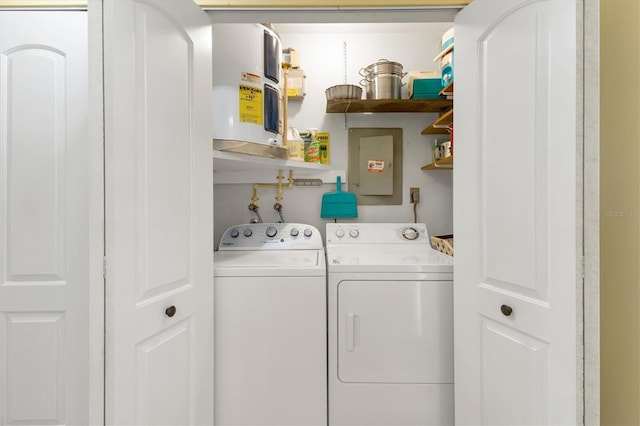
439	127
442	164
344	106
448	90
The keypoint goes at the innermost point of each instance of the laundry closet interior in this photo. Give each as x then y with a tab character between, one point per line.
414	382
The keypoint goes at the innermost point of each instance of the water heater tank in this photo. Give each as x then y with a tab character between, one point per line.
246	90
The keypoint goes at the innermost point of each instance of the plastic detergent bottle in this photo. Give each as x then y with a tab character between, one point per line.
312	154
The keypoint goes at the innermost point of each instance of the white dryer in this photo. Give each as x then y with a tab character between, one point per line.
390	319
270	326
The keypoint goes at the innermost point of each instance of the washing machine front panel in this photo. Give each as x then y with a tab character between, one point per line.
270	352
395	331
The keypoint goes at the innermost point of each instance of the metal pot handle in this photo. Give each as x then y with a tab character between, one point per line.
363	72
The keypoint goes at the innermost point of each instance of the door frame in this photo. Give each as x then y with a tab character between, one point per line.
588	173
588	209
97	291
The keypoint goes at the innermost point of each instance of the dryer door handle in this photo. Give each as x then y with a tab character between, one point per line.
352	338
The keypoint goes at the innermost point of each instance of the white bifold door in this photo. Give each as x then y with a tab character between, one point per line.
44	218
516	213
159	213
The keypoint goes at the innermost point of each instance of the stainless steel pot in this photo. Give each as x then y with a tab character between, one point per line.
383	86
382	80
383	66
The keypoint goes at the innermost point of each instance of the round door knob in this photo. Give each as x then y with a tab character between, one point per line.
271	231
170	311
248	232
354	233
308	232
234	233
294	232
339	233
506	310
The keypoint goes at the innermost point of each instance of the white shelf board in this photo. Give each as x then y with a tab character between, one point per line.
230	167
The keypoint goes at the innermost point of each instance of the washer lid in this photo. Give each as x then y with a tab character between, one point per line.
269	263
387	258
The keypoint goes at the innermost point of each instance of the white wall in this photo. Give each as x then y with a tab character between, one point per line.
321	48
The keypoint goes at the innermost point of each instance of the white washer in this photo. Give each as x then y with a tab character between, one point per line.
390	319
270	326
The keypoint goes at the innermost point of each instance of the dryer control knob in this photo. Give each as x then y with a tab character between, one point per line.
247	232
234	233
339	233
410	233
308	232
271	231
294	232
354	233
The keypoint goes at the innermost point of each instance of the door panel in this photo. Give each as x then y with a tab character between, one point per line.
169	347
514	127
44	238
36	169
512	363
34	367
159	221
515	214
395	332
162	167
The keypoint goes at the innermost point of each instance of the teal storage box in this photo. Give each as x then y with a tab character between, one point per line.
424	85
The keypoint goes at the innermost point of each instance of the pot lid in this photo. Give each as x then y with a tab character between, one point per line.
384	62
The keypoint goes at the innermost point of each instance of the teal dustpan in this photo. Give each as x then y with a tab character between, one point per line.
339	204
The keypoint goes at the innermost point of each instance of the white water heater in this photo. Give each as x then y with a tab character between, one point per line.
246	90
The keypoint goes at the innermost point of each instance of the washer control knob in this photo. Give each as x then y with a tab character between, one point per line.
271	231
234	233
340	233
410	233
247	232
294	232
354	233
308	232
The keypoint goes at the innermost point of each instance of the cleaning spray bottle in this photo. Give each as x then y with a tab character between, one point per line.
312	154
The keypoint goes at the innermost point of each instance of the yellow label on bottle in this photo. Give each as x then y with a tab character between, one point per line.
323	140
250	104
